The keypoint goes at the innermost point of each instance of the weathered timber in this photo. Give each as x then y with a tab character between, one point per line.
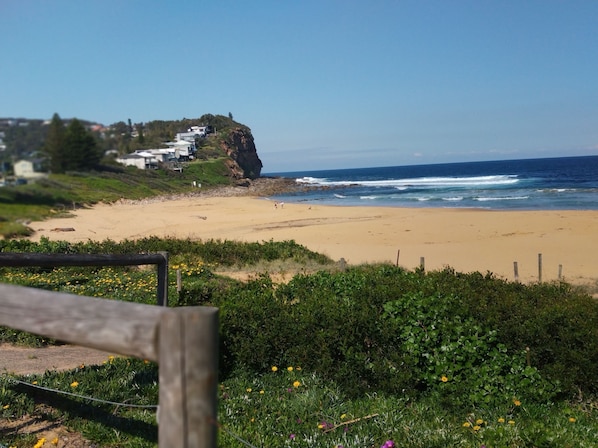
114	326
184	341
188	377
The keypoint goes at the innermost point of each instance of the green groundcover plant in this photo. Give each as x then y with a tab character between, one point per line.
373	355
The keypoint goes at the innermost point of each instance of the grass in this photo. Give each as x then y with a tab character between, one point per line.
461	383
287	408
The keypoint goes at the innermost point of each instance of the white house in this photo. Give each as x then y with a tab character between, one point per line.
161	155
142	160
29	169
193	132
183	149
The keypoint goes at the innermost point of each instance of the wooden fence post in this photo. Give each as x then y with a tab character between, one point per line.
539	268
179	281
516	271
342	264
560	276
398	253
188	362
163	280
422	263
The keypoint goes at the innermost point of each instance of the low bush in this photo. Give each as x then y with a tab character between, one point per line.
383	328
467	339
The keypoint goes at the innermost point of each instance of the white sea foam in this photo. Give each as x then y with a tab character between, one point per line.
340	196
504	198
421	182
311	180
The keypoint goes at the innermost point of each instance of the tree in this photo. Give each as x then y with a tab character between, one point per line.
81	151
71	148
141	137
54	144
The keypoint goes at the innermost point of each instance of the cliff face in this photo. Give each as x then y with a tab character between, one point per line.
239	146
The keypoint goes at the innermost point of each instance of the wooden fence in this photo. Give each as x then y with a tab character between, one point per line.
24	259
184	341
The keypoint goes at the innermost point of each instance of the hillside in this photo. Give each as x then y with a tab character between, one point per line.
23	138
225	156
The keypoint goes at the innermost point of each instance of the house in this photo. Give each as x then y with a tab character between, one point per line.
161	155
29	169
194	132
141	159
183	149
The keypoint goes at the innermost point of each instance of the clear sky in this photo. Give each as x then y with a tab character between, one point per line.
321	83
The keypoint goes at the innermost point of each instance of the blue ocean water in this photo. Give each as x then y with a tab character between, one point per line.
565	183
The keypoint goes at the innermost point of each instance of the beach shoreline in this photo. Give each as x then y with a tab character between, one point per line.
466	240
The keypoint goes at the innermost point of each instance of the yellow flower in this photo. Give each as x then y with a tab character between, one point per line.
320	426
466	425
34	382
511	422
572	419
249	389
262	392
290	368
296	384
444	379
501	420
54	441
343	416
274	368
40	443
479	421
476	427
74	384
6	406
516	402
297	368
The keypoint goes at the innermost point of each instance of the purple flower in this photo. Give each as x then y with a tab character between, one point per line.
292	436
388	444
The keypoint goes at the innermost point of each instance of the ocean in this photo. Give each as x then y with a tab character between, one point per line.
564	183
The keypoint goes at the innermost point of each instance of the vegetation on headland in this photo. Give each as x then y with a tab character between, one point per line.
353	357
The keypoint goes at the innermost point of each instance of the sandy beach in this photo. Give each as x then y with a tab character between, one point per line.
465	239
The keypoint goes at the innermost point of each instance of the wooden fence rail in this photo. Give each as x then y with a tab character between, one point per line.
184	341
24	259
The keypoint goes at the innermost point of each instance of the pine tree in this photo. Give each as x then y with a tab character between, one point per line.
81	151
54	144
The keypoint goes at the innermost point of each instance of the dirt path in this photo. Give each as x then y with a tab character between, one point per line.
24	360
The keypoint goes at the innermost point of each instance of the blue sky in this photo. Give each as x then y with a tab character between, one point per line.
321	83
